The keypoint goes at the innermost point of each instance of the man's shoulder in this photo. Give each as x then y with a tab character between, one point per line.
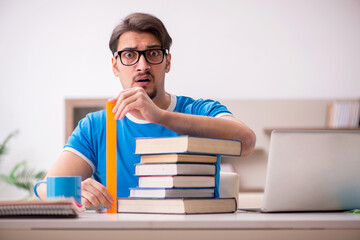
185	100
207	107
97	114
96	117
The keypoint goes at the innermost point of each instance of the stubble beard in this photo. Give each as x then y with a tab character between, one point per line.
152	94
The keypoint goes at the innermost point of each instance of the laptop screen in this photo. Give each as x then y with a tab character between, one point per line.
313	170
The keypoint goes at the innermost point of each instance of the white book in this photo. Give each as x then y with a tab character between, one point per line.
177	182
174	169
172	192
176	205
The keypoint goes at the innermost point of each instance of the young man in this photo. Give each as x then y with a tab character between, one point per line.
140	46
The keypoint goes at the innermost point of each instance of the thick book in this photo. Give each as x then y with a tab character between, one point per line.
178	158
188	144
172	192
62	207
177	182
144	169
177	205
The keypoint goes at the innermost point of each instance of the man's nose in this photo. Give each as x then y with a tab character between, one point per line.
142	64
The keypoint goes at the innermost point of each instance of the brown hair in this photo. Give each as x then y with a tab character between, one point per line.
141	22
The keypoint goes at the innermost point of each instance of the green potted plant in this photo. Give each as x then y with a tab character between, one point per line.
21	176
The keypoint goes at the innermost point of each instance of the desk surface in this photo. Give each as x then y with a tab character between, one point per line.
236	221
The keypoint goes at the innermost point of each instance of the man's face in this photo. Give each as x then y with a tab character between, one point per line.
142	74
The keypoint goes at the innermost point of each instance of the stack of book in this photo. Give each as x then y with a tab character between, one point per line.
179	175
344	114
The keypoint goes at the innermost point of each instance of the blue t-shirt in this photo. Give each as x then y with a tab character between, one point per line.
89	139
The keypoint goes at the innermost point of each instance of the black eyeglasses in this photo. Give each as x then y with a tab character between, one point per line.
131	57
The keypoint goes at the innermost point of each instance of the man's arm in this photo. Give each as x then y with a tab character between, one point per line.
93	193
136	102
226	127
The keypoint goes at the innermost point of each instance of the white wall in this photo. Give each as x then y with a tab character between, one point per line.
50	50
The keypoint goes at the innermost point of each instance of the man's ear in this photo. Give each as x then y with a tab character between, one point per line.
114	67
168	63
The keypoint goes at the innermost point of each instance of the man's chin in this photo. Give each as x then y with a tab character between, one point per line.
152	94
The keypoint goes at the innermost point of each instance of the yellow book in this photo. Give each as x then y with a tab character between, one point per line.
176	158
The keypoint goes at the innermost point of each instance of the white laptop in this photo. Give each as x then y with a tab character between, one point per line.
313	170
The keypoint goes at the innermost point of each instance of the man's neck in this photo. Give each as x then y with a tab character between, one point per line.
162	100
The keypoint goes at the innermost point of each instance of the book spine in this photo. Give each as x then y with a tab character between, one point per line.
159	169
217	177
172	192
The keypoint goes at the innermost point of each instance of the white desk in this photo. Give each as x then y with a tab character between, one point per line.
92	225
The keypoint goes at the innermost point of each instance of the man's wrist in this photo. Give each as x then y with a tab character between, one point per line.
162	117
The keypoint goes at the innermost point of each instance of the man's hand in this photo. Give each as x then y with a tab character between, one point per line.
94	193
136	102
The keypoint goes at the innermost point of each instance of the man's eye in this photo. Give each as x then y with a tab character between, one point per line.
128	54
154	53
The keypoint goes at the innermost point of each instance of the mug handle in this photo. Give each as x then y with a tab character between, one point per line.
35	187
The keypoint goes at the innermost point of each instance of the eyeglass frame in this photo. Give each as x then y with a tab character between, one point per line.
118	54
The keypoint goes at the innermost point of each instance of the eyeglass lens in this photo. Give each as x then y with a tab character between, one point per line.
153	56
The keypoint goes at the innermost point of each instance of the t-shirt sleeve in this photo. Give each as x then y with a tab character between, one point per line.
82	143
207	107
